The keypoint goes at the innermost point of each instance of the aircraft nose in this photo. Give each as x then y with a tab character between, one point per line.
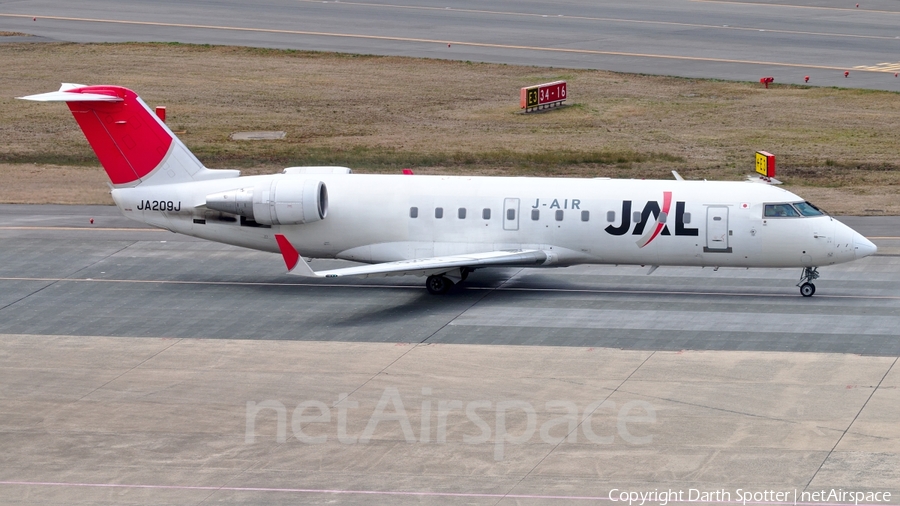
863	247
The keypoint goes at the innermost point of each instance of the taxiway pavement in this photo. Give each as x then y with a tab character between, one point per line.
62	275
724	39
142	367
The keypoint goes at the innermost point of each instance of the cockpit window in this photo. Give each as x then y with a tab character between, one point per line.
807	209
781	211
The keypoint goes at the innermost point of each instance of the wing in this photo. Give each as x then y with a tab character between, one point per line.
420	266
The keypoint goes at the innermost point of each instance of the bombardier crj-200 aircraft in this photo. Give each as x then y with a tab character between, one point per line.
444	227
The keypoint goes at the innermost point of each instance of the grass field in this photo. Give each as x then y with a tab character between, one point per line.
837	147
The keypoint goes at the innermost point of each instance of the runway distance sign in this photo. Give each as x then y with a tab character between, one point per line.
541	96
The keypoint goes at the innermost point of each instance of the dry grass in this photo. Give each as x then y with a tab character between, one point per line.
380	114
27	183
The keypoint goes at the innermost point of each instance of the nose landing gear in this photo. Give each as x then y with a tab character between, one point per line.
807	289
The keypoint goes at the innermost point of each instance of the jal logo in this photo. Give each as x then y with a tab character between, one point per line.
658	227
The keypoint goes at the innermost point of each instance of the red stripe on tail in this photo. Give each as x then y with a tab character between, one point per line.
127	138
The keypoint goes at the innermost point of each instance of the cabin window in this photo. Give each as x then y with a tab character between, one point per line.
510	214
413	212
535	214
486	213
807	209
461	213
686	218
611	216
559	215
636	216
438	212
780	211
585	215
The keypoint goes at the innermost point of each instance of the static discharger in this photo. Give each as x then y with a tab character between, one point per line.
543	96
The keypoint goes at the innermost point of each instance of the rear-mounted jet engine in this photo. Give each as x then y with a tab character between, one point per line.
284	201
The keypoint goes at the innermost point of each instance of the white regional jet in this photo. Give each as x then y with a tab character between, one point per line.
444	227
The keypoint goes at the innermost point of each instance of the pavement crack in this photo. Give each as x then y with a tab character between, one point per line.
142	362
578	426
424	341
20	299
721	410
55	281
114	253
844	433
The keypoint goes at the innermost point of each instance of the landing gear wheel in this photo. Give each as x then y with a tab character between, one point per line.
810	274
437	285
807	289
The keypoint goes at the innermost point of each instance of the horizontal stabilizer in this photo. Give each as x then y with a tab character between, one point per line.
68	92
420	266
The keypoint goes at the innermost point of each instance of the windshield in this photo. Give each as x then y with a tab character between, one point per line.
780	211
807	209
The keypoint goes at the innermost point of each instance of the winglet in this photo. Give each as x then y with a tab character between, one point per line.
292	259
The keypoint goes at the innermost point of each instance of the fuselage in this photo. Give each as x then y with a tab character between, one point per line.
385	218
443	227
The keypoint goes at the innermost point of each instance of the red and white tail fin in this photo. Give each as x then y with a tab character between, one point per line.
133	144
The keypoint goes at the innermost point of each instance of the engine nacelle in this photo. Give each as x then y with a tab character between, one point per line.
283	201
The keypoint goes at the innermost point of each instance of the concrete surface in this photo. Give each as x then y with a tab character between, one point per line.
91	420
128	357
60	275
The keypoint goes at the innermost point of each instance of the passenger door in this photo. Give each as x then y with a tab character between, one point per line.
717	230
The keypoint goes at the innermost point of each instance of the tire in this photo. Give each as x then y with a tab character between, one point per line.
437	285
807	289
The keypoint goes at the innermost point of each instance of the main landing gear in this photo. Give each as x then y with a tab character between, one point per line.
807	289
437	284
